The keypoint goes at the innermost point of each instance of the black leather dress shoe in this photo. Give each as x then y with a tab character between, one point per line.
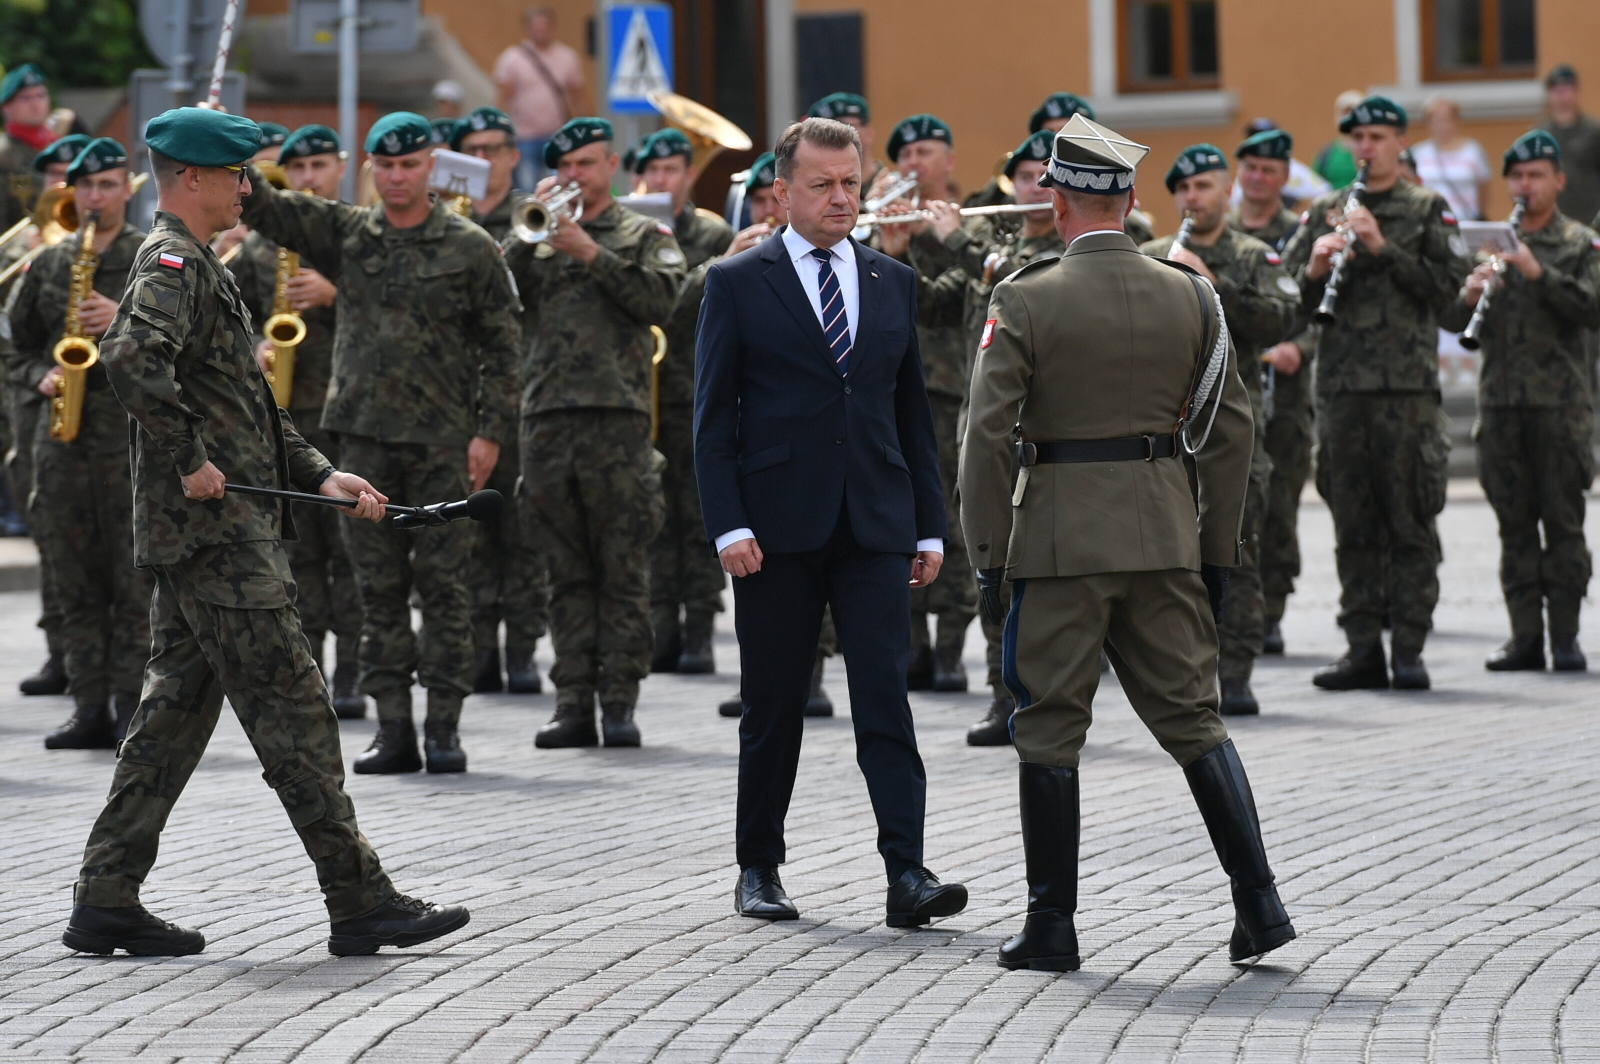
393	750
1361	668
89	728
1272	638
1566	655
759	893
1238	700
1410	674
995	727
1521	653
918	896
101	930
51	679
400	921
486	672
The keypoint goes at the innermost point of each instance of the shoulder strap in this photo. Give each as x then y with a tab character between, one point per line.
549	79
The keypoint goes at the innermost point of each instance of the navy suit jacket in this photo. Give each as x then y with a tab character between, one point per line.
782	439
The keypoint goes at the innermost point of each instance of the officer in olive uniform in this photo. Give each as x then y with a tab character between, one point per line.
591	483
328	600
1535	408
1382	448
179	358
509	583
82	493
25	104
1098	533
1261	301
424	371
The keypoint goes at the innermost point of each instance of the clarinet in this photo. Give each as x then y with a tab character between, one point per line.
1330	294
1470	336
1181	241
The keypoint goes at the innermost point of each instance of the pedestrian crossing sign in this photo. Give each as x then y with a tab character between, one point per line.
639	53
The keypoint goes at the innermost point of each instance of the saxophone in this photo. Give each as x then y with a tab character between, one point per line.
75	352
284	330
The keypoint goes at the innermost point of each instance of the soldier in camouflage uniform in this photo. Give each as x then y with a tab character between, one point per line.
1535	410
509	583
684	573
25	107
179	357
1260	301
1382	448
423	377
83	494
591	483
1263	172
313	163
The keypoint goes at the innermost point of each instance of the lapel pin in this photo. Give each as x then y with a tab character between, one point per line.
874	273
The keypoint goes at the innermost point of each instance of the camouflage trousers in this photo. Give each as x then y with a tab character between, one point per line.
83	510
1382	467
591	493
25	415
1288	444
392	562
684	571
509	582
224	624
320	561
953	598
1535	464
1240	629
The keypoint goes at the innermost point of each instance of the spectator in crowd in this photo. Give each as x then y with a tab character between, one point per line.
540	85
447	99
1579	137
1334	163
1451	163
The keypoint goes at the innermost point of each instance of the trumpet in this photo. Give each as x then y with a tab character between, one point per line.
1471	336
867	221
1185	231
1325	314
534	220
75	352
284	330
901	185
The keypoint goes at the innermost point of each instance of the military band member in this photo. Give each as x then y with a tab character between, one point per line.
421	394
273	137
1261	302
852	110
314	163
591	483
1382	449
82	492
508	580
178	356
1535	408
1049	116
52	164
25	106
1099	537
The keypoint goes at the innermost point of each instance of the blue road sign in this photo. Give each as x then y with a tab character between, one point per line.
639	55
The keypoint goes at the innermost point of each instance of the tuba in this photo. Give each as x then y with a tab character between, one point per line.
284	330
75	352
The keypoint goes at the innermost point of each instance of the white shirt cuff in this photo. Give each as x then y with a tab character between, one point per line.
728	539
936	545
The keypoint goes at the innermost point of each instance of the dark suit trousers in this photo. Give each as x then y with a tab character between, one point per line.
778	613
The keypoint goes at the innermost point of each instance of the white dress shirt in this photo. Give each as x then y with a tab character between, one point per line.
1096	232
843	260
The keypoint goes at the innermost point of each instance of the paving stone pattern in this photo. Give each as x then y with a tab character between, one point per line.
1438	852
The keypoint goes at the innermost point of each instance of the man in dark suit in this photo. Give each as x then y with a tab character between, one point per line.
819	482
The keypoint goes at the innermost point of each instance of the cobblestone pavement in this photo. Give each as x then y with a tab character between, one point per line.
1438	852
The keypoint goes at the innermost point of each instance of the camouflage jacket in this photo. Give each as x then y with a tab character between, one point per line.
941	297
1275	234
426	345
588	326
677	369
1386	337
1533	332
497	223
37	314
179	356
1259	298
701	235
19	185
255	270
1001	260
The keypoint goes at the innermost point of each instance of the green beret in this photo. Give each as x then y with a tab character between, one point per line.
1374	111
399	133
839	105
917	127
1036	149
1195	159
21	78
662	144
1268	144
483	120
62	151
1058	105
763	172
1561	75
631	156
273	135
310	140
99	154
1536	144
577	133
198	136
440	130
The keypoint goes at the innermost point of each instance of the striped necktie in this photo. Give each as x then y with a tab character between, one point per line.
835	323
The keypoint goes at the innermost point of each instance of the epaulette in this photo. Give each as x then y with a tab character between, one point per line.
1035	264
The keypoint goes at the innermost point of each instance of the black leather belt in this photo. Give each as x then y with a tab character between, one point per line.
1127	449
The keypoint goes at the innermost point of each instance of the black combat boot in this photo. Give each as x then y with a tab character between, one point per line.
89	728
393	750
1222	791
919	674
400	921
1410	674
818	704
668	639
1520	653
1238	700
486	671
104	930
441	745
1272	638
51	679
1362	668
348	701
734	707
122	709
995	727
522	675
697	657
617	726
1566	655
1049	940
573	725
949	671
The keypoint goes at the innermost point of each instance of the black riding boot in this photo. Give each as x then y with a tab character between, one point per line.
1049	941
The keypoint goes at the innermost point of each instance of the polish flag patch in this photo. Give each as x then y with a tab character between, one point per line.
171	262
988	334
1305	216
1595	244
1448	218
1274	259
